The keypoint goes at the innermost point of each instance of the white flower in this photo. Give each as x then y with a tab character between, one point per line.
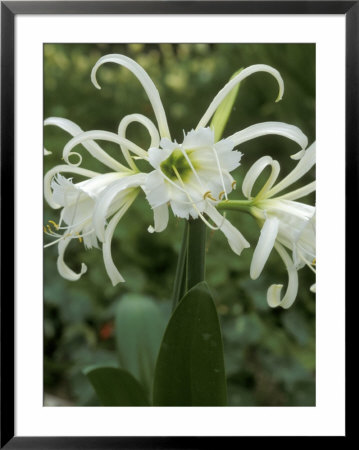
81	202
191	177
285	222
194	176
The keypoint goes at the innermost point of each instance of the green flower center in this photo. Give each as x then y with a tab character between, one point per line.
177	164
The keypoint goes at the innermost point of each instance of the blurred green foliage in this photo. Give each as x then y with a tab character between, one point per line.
269	354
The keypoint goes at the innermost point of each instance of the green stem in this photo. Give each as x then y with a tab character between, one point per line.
196	252
235	205
180	277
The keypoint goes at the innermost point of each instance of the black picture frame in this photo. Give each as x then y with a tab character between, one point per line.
9	10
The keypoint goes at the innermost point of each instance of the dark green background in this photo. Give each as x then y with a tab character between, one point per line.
269	354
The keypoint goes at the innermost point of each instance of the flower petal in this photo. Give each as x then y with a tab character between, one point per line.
299	193
64	270
111	269
147	123
274	291
303	166
146	82
48	194
160	218
264	246
255	171
121	192
235	239
279	128
100	154
232	83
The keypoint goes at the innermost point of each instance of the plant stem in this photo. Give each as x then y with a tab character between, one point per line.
179	287
235	205
196	252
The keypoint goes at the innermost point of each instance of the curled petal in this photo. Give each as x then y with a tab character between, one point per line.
146	82
147	123
97	152
264	246
279	128
235	239
255	171
63	268
234	82
111	269
303	166
160	219
274	291
62	169
92	147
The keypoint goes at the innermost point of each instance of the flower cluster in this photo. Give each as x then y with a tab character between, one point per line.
193	178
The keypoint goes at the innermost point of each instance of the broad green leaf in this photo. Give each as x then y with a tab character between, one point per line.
190	367
221	116
116	387
139	328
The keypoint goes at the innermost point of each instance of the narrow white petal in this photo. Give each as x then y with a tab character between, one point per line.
104	201
264	246
160	219
97	152
92	147
232	83
47	152
255	171
313	288
274	291
111	269
303	166
235	239
64	270
147	123
62	169
146	82
299	193
279	128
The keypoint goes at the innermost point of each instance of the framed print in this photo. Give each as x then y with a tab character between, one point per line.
164	169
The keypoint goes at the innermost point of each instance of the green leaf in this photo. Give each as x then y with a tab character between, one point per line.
190	366
139	327
116	387
221	116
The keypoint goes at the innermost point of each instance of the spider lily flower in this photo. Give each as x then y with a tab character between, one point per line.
78	200
194	176
285	223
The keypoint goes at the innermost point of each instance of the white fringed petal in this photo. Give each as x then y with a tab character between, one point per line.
146	82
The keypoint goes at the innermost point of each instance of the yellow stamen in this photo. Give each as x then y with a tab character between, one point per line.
221	194
209	195
49	228
234	184
54	224
80	238
314	262
45	231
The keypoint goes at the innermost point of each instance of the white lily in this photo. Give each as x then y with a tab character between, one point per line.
194	176
80	201
284	222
